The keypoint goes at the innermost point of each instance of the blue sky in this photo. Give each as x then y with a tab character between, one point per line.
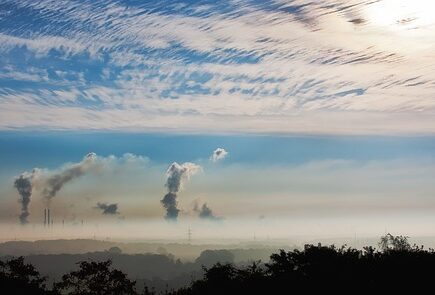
326	108
286	67
24	151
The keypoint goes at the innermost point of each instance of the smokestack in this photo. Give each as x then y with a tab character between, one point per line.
48	217
50	183
45	217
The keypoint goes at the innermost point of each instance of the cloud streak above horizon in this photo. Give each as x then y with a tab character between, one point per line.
363	67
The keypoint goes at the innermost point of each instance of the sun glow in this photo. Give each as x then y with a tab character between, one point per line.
402	15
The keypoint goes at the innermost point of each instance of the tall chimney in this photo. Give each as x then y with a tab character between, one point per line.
48	217
45	217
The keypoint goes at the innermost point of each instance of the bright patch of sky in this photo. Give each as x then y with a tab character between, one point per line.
329	67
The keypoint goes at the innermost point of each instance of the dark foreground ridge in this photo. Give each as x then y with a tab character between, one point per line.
396	265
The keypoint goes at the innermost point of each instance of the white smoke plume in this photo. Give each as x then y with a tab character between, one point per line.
177	175
218	155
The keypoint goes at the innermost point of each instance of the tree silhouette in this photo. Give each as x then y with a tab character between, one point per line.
315	269
384	242
147	291
325	269
17	277
96	278
395	243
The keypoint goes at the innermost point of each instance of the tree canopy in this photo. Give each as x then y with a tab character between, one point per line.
315	268
18	277
96	278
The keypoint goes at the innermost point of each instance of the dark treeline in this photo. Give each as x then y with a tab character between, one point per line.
157	271
396	265
181	250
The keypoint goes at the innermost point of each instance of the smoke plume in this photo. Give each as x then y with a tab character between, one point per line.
177	175
23	184
49	183
54	183
204	211
218	155
170	203
108	209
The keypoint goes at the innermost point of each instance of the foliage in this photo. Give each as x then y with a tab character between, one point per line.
17	277
316	268
325	269
394	243
96	278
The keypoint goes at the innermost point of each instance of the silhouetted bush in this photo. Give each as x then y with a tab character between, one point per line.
17	277
396	267
96	278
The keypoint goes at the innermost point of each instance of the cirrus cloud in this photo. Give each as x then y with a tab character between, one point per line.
288	68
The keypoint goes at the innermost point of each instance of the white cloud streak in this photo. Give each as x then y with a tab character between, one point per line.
287	68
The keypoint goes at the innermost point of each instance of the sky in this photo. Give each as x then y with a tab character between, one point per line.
323	111
348	67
